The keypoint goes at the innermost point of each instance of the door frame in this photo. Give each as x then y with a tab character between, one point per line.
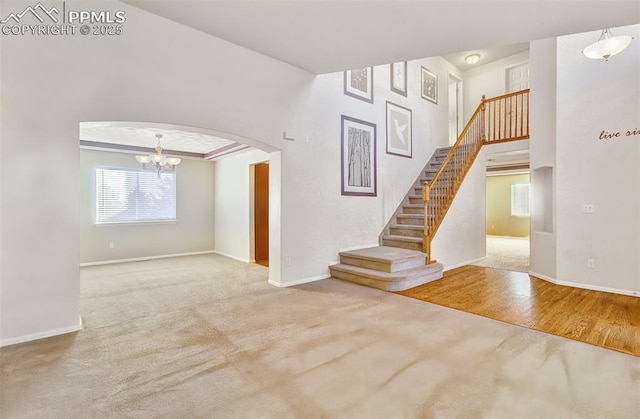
453	80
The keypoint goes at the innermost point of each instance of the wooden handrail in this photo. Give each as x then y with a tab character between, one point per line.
498	119
457	143
518	93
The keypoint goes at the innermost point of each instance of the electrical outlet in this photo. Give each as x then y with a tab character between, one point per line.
591	263
111	245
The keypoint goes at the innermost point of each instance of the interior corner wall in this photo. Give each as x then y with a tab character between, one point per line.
489	80
461	237
596	98
193	231
542	150
233	197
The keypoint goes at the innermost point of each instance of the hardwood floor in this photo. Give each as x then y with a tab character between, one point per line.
608	320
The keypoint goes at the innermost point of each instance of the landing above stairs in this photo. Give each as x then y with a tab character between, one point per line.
386	268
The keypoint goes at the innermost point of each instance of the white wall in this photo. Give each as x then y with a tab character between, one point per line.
321	222
193	232
542	151
233	196
228	89
461	238
595	96
121	78
489	80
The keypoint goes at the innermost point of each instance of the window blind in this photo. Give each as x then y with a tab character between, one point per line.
520	200
126	195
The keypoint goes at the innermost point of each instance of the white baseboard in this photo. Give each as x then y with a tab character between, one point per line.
300	281
585	286
42	335
458	265
109	262
217	252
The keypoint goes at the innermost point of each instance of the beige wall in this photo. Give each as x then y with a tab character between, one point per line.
193	232
499	219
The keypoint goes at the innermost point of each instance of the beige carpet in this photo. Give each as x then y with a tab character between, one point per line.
206	336
510	253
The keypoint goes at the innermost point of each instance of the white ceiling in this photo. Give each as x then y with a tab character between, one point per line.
334	35
138	138
487	55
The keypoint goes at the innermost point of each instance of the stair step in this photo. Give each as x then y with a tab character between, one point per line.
406	230
413	208
396	281
415	199
383	258
404	242
412	219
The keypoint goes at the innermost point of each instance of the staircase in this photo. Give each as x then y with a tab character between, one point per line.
406	228
404	259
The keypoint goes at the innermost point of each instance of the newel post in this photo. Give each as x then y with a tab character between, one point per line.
426	240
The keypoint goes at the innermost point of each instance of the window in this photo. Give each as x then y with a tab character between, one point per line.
129	196
520	200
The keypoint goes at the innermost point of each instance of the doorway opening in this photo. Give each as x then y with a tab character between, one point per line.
507	211
211	186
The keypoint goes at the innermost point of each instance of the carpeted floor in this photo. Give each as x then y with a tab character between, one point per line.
206	336
510	253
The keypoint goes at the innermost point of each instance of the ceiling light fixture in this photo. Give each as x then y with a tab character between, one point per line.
472	59
158	161
607	46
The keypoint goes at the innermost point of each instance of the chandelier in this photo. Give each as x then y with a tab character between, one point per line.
158	161
607	46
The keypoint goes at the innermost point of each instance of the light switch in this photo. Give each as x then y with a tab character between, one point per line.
587	208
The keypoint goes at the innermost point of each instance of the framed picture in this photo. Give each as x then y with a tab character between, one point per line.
359	84
358	157
429	83
399	133
399	78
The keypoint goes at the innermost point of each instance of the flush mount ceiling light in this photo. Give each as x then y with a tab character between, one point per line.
158	161
607	46
472	59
